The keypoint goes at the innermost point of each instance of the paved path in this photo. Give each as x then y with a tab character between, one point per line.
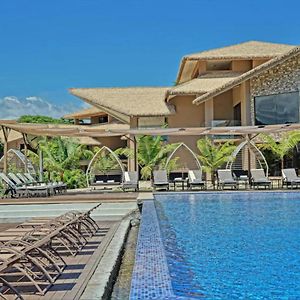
107	211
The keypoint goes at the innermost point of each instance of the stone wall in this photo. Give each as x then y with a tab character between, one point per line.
280	79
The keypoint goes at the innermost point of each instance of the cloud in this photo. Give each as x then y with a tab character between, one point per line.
12	107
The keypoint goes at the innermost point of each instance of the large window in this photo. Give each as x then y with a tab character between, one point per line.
277	109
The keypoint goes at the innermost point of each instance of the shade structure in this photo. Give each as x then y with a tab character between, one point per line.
67	130
214	131
116	129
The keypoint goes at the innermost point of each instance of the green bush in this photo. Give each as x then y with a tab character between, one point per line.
74	179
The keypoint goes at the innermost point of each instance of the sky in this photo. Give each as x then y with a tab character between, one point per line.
50	46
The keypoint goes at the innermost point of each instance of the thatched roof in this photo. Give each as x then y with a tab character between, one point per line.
248	75
84	113
132	101
204	83
247	50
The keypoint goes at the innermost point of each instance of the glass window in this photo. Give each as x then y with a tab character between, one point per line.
277	109
103	119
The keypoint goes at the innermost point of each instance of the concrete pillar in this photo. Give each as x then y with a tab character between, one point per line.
132	162
209	112
246	103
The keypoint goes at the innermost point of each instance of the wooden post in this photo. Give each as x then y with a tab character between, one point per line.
135	153
41	166
25	152
5	149
249	159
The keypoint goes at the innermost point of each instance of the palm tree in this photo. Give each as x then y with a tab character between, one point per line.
213	156
282	147
152	152
62	154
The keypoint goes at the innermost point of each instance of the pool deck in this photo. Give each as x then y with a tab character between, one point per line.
90	274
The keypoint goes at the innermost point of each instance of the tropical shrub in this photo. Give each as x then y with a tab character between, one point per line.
61	154
283	147
41	120
213	156
152	153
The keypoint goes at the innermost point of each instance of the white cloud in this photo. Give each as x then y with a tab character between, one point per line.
12	107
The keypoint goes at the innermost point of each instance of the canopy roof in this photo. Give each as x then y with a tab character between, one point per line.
197	131
91	131
108	130
132	101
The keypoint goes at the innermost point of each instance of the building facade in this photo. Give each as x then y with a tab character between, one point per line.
253	83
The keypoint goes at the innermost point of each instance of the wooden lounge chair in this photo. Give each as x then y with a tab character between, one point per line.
195	179
130	181
225	179
258	179
290	178
160	180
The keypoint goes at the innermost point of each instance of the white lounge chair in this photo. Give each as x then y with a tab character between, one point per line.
225	179
160	179
130	181
290	177
258	178
195	179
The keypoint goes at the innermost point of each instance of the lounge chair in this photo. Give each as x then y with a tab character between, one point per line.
258	178
56	186
32	189
160	180
13	189
195	179
130	181
289	177
225	179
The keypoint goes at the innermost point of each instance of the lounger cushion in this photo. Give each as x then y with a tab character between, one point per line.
126	176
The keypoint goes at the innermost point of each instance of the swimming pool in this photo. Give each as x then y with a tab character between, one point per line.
223	246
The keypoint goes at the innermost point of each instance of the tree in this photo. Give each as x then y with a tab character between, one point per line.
282	147
213	156
152	153
41	119
61	154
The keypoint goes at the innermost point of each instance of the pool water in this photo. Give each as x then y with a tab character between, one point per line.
232	245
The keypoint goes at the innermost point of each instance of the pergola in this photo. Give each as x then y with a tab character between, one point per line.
111	130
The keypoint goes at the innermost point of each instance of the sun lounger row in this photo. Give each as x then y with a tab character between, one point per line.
32	258
24	185
226	179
